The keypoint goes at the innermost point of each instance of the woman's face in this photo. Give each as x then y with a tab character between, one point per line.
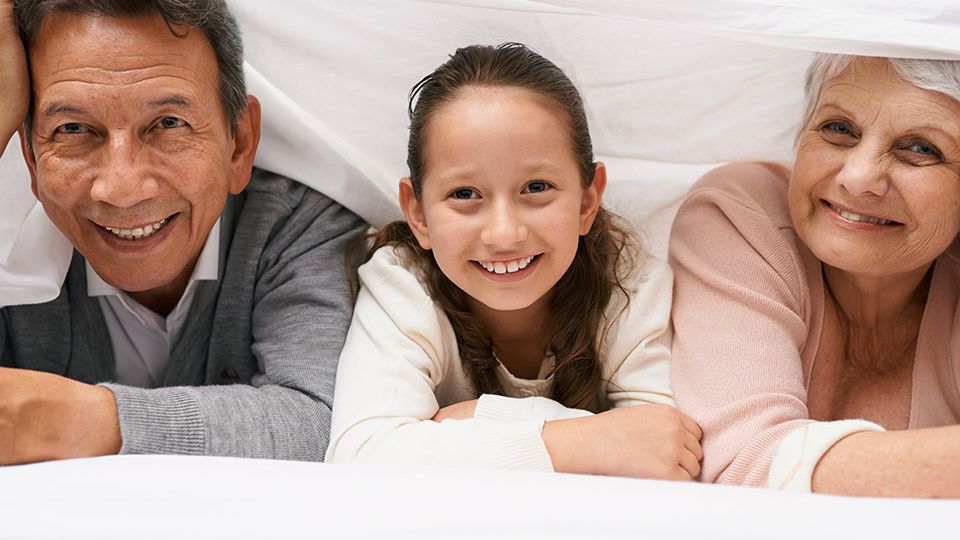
876	187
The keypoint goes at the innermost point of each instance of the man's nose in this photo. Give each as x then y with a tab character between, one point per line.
123	179
864	171
503	225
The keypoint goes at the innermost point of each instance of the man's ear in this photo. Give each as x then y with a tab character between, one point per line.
413	212
31	160
245	142
592	196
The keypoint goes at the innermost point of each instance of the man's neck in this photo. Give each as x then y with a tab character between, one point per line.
161	300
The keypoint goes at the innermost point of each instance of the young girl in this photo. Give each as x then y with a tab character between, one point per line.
509	282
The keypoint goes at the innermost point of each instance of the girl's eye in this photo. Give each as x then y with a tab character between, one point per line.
464	194
170	122
72	128
537	186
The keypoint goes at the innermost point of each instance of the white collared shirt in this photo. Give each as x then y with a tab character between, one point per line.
142	339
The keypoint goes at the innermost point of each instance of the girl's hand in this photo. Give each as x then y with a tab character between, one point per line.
14	76
646	441
457	411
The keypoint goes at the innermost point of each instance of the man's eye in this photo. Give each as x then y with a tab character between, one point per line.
170	122
72	128
464	194
537	186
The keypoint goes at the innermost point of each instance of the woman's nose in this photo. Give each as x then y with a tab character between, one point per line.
864	172
503	226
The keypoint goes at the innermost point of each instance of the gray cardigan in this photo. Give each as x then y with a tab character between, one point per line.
253	370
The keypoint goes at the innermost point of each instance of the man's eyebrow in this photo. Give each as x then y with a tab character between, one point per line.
177	99
56	108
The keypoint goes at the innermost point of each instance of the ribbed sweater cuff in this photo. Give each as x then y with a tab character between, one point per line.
517	445
507	409
159	421
801	450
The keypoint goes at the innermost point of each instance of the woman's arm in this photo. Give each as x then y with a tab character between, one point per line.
15	82
910	463
741	318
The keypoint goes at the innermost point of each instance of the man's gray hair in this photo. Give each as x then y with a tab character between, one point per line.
938	75
210	16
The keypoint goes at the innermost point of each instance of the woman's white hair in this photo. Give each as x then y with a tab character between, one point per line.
938	75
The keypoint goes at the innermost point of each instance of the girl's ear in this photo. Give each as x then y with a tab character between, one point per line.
413	212
592	195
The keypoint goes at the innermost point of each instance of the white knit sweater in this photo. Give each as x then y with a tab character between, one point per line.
400	364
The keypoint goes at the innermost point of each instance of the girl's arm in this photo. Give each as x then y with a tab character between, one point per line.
910	463
397	353
15	82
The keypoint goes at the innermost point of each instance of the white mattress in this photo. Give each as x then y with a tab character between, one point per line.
164	497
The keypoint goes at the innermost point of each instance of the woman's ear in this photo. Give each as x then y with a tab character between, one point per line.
413	212
592	196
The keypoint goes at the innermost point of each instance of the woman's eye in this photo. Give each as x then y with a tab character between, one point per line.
838	128
537	186
464	194
72	128
923	148
170	122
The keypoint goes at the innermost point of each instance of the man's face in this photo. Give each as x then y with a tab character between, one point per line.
132	155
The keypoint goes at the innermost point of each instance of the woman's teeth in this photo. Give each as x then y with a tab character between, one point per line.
859	217
139	233
506	267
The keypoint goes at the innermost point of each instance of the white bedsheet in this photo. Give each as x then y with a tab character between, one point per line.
669	86
164	497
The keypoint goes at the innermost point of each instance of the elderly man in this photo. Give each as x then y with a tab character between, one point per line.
205	306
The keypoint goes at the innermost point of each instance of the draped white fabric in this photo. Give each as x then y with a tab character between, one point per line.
670	87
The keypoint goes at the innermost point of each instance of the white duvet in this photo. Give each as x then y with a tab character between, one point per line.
671	87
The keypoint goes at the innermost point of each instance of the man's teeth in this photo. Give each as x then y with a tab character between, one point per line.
139	233
506	267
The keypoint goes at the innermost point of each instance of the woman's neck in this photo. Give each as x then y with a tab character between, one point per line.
519	336
871	302
879	319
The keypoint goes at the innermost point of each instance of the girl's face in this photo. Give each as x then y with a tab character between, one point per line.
502	205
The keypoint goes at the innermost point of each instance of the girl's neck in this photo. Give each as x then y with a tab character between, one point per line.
519	336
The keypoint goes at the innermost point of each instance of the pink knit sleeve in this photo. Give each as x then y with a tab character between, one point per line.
740	319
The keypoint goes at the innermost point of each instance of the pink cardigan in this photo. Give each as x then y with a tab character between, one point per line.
747	314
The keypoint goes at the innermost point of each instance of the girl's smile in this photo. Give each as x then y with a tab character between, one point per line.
503	204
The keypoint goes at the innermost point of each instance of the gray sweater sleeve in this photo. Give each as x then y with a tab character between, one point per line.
296	318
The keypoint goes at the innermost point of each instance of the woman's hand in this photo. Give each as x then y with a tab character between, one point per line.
457	411
646	441
14	76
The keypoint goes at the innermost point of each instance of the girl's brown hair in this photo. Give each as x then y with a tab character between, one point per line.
605	255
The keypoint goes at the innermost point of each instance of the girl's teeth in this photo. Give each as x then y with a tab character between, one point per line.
508	267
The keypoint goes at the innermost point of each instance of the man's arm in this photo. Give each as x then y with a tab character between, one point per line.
15	81
298	314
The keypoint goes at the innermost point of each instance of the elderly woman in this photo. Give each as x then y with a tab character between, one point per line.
817	334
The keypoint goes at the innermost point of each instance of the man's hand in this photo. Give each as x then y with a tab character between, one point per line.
14	77
457	411
45	416
646	441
